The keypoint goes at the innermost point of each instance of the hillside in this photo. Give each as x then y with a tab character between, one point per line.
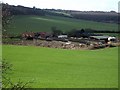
22	23
99	16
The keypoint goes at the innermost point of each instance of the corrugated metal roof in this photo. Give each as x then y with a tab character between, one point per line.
100	37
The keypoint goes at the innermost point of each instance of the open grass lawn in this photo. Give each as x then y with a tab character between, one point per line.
22	23
58	68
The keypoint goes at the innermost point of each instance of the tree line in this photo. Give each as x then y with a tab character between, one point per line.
113	18
99	16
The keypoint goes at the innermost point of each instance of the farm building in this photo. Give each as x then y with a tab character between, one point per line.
105	38
28	35
37	35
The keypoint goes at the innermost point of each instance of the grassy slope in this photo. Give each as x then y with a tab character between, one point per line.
38	23
63	68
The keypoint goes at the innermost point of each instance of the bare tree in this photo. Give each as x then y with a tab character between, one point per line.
6	17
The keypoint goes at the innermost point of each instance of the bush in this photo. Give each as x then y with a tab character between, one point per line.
7	82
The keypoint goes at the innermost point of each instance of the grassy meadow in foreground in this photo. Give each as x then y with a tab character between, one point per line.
22	23
58	68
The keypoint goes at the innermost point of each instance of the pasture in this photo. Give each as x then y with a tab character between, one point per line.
22	23
59	68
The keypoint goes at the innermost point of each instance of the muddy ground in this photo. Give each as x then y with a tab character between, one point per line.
60	44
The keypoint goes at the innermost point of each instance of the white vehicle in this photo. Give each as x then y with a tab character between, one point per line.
111	39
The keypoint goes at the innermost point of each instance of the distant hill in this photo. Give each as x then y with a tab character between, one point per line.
99	16
37	20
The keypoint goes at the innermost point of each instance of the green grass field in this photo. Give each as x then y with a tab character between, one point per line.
24	23
58	68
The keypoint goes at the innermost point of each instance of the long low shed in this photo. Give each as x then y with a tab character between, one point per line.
105	38
99	37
